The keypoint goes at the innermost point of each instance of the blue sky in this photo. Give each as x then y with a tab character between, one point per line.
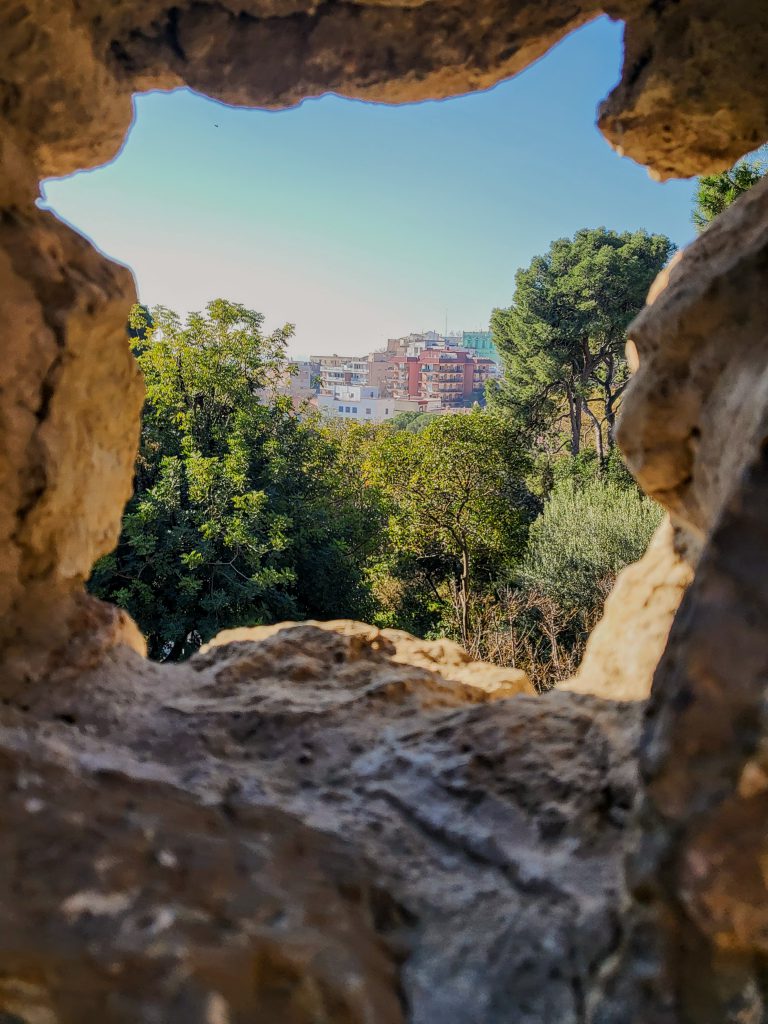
359	222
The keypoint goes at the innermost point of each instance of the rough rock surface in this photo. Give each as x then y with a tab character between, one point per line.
303	828
70	395
677	109
695	431
626	645
445	657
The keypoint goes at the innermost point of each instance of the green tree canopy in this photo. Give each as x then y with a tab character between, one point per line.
562	339
715	192
456	498
403	420
239	513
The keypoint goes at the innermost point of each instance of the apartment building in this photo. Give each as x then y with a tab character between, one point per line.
356	402
480	344
379	371
426	367
451	376
342	371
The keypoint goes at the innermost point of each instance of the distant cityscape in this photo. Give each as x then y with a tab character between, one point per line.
425	372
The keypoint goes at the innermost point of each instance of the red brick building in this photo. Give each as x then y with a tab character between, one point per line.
452	375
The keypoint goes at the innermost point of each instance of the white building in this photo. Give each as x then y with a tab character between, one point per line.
338	370
300	379
356	402
418	343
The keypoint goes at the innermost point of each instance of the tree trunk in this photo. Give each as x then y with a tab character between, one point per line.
611	399
598	429
574	414
464	597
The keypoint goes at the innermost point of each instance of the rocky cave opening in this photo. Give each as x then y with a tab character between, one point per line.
318	824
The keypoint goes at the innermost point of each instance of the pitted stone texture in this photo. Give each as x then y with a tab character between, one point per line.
695	430
686	102
692	415
692	419
626	645
327	643
496	833
70	395
384	847
696	949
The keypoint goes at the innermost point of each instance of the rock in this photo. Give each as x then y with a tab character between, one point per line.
284	834
676	110
70	69
70	396
694	429
701	381
325	644
626	645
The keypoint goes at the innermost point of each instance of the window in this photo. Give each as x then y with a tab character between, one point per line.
354	409
346	408
341	408
367	412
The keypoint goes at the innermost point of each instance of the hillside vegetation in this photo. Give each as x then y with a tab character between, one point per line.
502	527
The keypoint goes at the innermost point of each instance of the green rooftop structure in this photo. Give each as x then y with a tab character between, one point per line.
481	343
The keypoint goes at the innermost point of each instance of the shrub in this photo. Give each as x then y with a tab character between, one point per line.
584	537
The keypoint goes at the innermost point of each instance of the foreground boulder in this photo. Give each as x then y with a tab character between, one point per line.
302	826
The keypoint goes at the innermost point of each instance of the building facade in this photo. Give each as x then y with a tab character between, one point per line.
451	376
424	367
356	402
480	343
379	371
339	371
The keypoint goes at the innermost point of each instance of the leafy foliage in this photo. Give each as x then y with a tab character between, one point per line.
457	501
245	512
715	192
403	420
239	512
540	618
413	421
584	537
562	339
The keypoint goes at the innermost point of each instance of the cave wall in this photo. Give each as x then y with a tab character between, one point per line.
84	722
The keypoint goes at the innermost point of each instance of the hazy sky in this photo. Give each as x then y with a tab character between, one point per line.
359	222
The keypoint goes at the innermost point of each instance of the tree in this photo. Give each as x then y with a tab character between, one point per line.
715	192
403	420
585	535
539	617
413	421
562	339
239	515
457	501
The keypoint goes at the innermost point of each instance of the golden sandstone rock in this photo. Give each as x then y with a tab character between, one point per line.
625	646
337	824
